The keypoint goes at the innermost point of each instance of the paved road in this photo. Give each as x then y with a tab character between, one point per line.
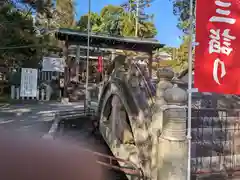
36	120
32	117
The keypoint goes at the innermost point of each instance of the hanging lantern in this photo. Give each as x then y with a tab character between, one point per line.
100	64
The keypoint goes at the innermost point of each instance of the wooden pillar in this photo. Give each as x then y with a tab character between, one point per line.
150	64
66	69
76	64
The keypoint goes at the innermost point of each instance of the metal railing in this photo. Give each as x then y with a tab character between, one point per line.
113	163
146	85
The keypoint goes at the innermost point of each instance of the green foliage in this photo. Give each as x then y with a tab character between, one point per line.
16	30
111	19
96	22
127	24
131	6
44	8
53	13
116	21
179	56
181	10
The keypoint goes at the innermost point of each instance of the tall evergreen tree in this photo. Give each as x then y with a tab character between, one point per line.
131	6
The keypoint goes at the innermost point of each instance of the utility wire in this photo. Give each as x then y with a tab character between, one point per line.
23	47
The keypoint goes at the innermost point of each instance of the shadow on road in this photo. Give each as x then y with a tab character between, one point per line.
78	131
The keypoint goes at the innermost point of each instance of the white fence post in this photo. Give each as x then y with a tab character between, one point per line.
42	95
12	92
48	93
18	93
37	94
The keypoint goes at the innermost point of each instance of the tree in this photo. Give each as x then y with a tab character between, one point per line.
44	11
131	6
127	27
50	15
181	10
147	30
146	26
179	56
16	30
96	22
116	21
108	22
111	19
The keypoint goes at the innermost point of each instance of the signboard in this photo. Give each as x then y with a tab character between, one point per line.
217	64
53	64
28	86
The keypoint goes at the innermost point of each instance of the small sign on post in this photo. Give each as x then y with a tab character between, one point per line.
28	86
61	82
53	64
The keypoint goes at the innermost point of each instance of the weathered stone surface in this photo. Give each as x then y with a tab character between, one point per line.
164	76
172	160
172	143
175	95
165	73
174	124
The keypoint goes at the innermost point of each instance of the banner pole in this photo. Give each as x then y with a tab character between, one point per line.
189	119
87	98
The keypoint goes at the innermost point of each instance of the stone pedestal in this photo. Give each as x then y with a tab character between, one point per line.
169	143
172	142
172	160
164	76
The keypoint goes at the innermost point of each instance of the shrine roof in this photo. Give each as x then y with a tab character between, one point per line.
106	41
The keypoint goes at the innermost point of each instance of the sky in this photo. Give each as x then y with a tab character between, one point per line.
164	19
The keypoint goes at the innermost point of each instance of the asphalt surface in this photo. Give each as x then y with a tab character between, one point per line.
32	118
80	131
36	120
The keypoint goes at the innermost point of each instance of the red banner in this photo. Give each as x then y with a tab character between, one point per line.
100	64
217	56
